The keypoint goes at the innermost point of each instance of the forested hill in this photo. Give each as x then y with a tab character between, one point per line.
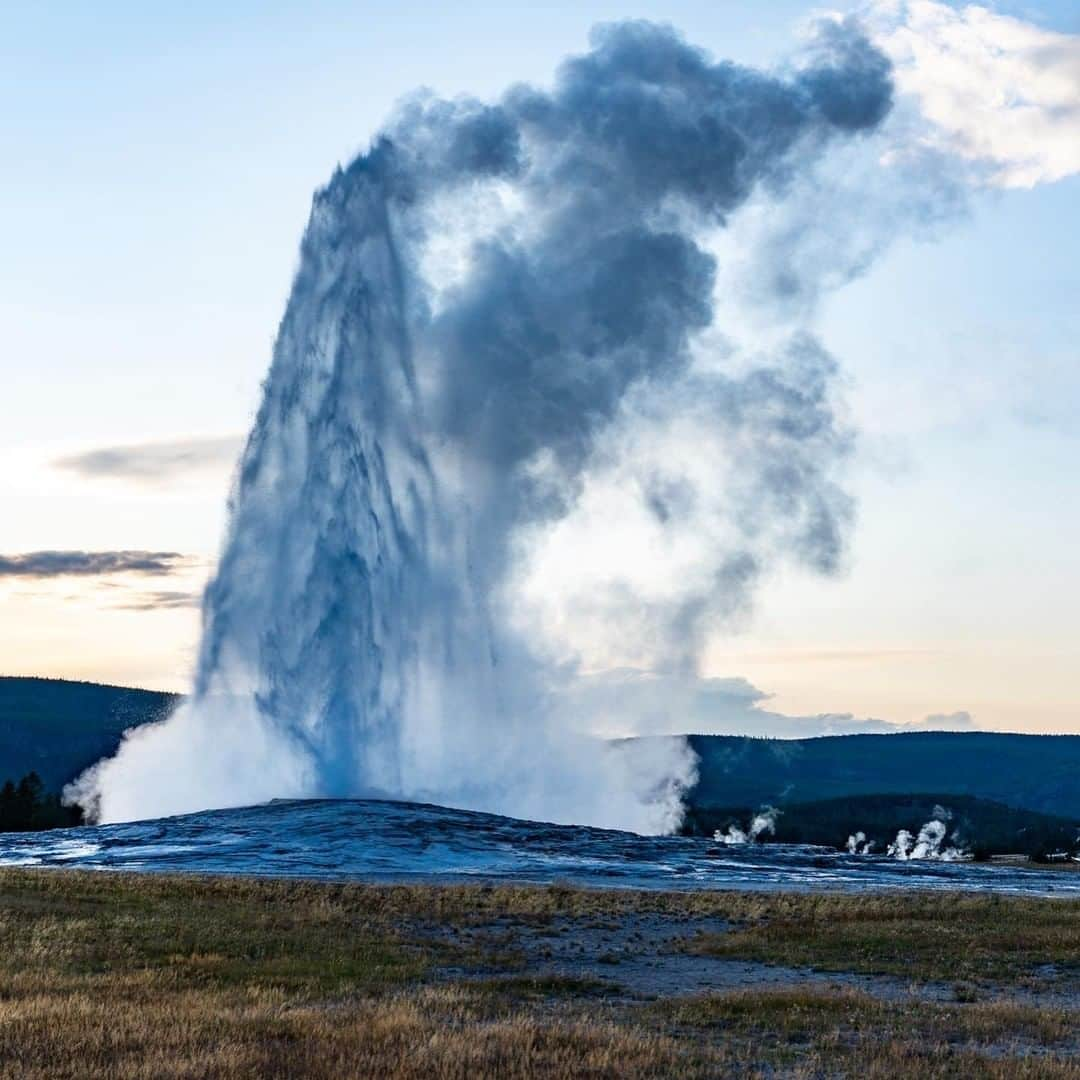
1036	772
58	728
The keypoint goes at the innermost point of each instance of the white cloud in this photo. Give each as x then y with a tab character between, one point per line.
157	463
1003	93
630	701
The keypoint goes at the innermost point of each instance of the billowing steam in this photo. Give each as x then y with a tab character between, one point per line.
932	841
857	844
764	821
502	326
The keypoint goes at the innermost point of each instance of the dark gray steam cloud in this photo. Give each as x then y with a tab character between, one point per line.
422	432
154	463
50	564
644	146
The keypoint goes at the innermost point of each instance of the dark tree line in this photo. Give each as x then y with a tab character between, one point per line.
27	807
982	826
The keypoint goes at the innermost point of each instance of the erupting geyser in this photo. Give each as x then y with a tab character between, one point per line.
484	300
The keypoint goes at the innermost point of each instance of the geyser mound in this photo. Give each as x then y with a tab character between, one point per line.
499	309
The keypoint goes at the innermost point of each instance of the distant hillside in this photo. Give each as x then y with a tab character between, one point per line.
58	728
1037	772
978	825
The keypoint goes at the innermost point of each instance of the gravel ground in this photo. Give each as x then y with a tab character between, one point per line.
644	957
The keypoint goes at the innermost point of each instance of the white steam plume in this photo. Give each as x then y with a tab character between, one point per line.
857	844
930	843
503	316
764	821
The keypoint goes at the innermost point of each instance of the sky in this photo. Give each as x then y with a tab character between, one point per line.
158	172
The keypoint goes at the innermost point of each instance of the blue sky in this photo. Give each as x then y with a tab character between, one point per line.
158	173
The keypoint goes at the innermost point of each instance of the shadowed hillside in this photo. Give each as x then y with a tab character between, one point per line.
1036	772
58	728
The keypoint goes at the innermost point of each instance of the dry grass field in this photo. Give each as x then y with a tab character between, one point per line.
146	976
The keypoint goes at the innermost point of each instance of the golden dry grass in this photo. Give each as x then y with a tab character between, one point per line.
433	1032
139	976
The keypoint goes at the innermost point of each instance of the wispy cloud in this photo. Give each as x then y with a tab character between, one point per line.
957	721
161	600
999	91
55	564
626	701
154	463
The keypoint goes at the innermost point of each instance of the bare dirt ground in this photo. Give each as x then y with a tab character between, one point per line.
644	957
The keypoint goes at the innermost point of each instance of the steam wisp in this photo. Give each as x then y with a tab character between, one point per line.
857	844
931	842
761	824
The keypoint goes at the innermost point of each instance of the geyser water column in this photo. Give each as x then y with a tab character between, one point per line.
328	579
479	296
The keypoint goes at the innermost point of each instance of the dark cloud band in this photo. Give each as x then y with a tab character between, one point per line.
50	564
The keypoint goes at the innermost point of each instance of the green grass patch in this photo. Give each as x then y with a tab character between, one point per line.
923	936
